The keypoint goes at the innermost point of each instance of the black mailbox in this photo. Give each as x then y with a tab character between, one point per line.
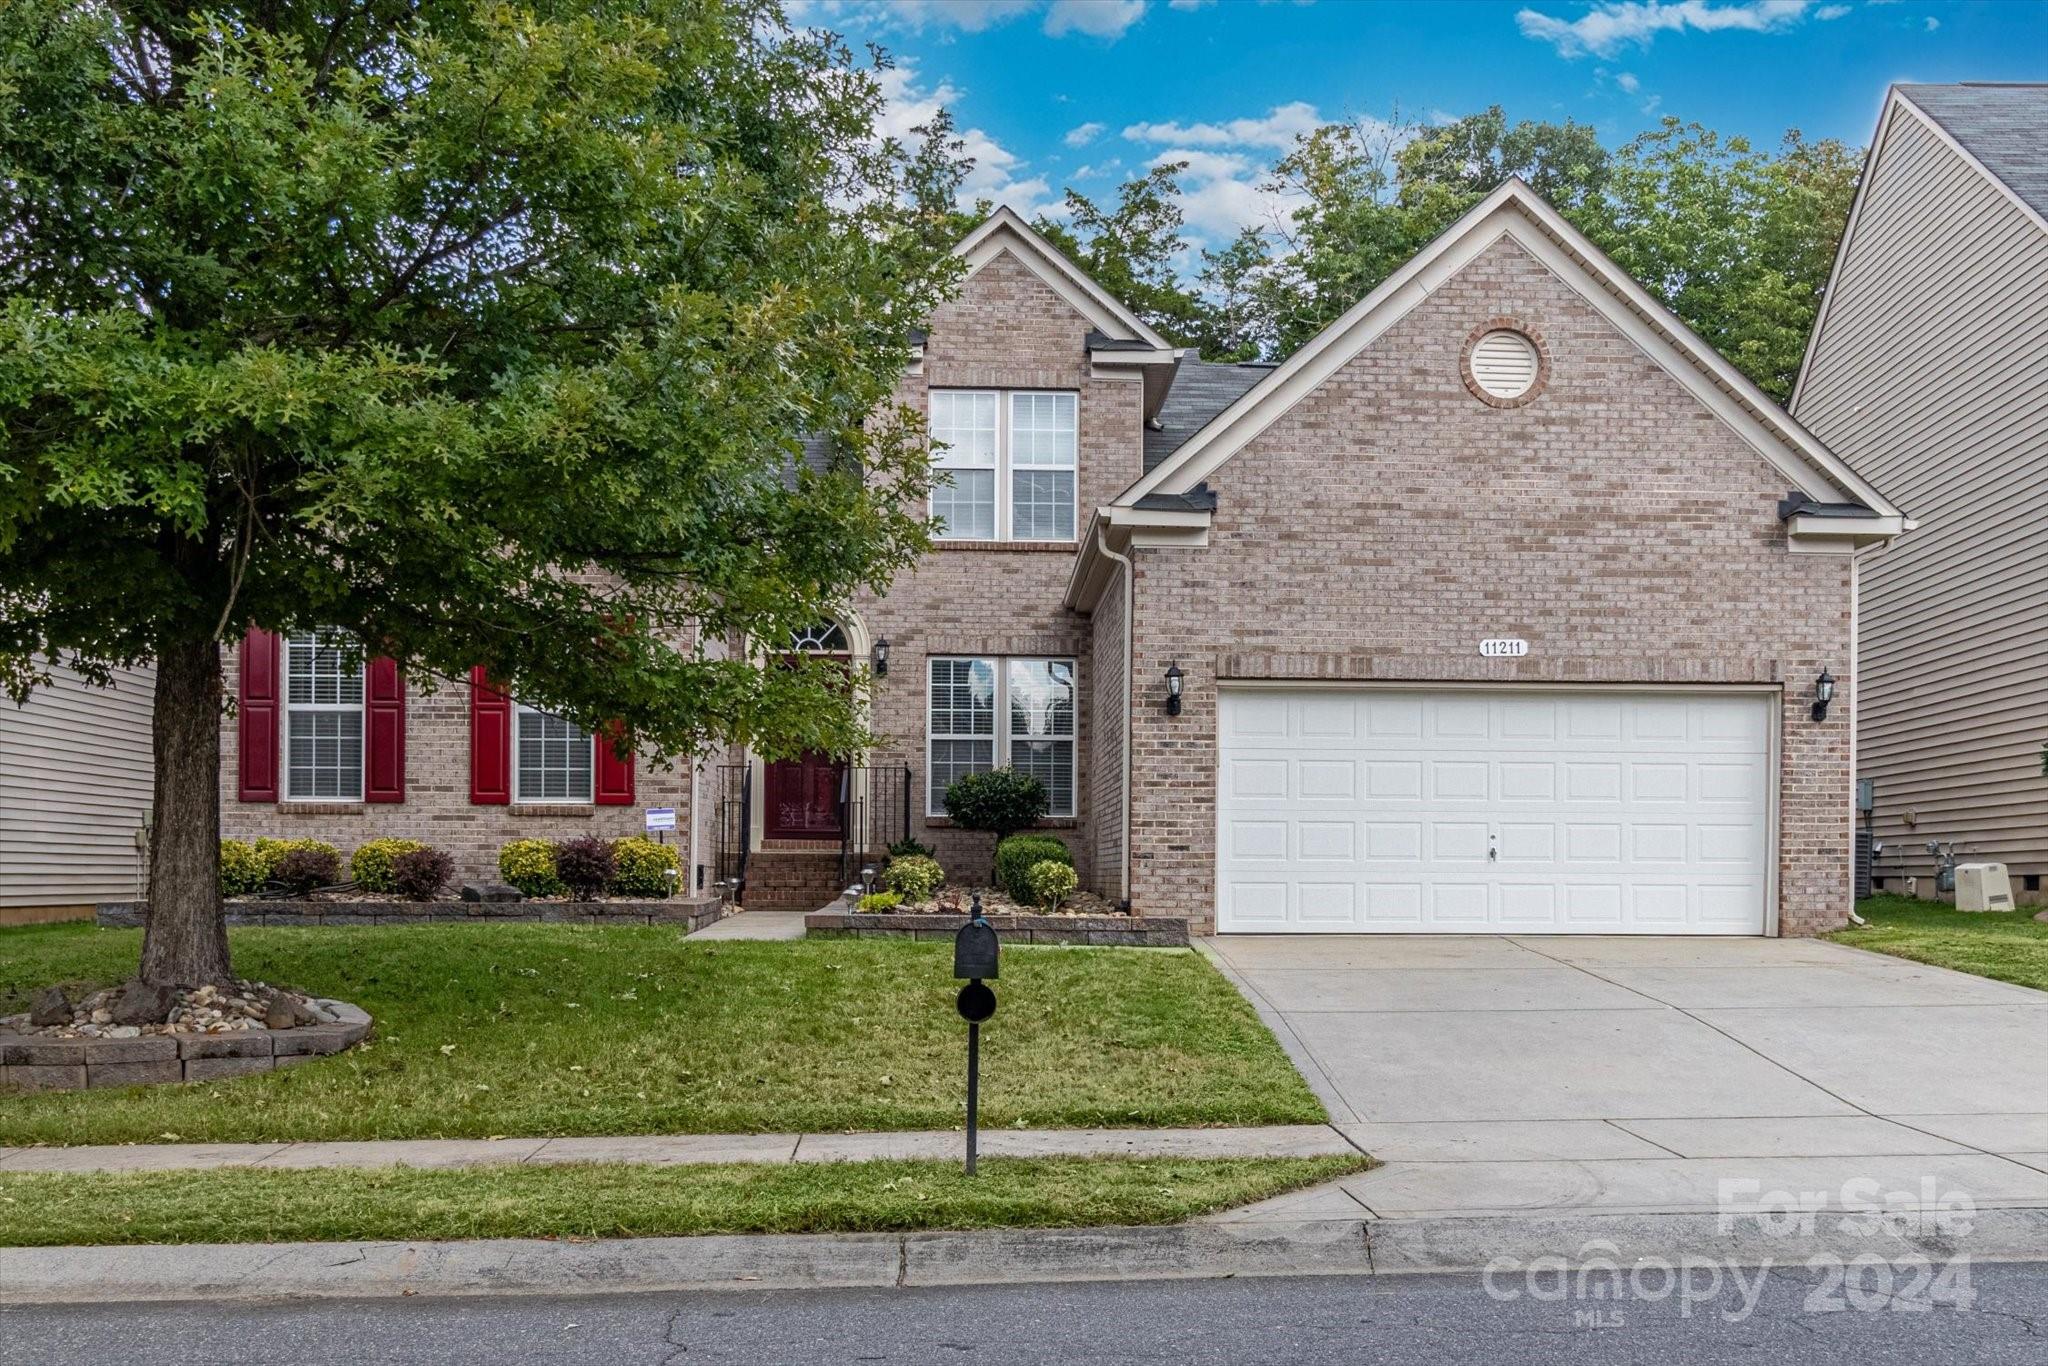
975	950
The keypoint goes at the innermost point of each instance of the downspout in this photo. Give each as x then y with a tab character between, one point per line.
1130	625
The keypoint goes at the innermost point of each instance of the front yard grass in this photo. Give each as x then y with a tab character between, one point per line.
2010	946
245	1204
532	1030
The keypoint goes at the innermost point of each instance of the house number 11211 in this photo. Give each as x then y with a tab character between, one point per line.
1505	648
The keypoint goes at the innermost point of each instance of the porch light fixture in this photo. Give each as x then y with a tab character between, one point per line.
1173	681
1823	693
882	657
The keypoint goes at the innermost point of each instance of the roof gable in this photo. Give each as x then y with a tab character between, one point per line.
1514	210
1006	231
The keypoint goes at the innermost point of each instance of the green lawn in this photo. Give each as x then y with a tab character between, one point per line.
527	1030
2011	946
613	1201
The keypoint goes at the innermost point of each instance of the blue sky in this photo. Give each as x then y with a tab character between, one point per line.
1054	93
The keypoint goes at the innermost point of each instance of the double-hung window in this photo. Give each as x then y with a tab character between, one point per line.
554	759
323	707
1006	462
985	713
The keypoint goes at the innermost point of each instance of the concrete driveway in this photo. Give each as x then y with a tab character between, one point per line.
1502	1075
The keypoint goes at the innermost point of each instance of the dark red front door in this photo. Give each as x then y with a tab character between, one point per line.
803	798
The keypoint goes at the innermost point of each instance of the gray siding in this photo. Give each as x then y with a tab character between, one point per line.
75	773
1930	375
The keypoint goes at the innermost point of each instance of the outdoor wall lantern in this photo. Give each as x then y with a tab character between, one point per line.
1173	681
1823	693
882	657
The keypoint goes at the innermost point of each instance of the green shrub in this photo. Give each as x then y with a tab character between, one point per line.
421	874
638	865
1016	855
304	869
879	901
999	800
370	865
271	852
529	865
1051	882
908	848
916	877
242	869
585	866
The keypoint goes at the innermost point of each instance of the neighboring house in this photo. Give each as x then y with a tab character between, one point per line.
1508	441
75	790
1929	367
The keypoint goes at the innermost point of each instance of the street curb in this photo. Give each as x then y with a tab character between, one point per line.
1205	1250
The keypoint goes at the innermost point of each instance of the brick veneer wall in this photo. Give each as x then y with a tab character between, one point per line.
1006	330
1106	699
436	808
1390	521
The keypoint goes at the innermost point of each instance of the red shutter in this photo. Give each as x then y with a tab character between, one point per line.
256	718
490	742
614	776
384	732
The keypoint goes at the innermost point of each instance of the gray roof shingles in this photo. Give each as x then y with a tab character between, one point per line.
2003	126
1201	389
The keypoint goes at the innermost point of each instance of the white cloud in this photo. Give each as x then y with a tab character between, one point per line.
1609	26
999	174
1826	12
1932	23
1222	193
1096	18
1628	83
1276	129
1189	4
1096	170
1083	135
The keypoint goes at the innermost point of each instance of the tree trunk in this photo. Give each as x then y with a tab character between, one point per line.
186	941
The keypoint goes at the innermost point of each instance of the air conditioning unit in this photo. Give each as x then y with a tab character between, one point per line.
1983	887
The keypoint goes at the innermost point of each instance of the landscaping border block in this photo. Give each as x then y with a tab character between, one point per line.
689	914
1134	931
31	1062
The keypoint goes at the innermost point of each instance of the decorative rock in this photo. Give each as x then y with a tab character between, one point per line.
50	1006
491	891
142	1004
285	1012
123	1032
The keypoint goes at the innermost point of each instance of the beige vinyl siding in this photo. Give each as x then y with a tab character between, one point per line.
1930	375
74	785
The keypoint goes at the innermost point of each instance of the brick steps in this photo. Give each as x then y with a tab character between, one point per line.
791	879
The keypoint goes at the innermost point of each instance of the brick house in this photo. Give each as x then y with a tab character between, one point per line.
1501	606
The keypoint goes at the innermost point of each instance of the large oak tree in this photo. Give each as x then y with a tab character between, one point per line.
481	331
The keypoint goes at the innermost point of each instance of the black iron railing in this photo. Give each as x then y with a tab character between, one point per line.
734	818
874	813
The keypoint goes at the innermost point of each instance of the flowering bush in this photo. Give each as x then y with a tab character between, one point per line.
529	865
371	863
916	877
639	863
585	866
1051	882
421	873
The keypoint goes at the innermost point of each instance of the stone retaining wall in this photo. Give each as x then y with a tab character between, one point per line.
687	913
1165	931
31	1062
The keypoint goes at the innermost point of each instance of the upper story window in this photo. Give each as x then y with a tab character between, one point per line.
553	759
1007	462
323	708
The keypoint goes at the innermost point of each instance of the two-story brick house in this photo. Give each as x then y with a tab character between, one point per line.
1504	605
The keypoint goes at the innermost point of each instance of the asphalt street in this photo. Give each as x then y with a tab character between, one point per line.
1788	1316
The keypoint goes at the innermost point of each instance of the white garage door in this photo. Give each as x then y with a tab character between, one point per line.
1493	812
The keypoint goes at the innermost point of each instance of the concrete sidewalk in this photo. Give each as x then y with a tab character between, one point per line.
1284	1140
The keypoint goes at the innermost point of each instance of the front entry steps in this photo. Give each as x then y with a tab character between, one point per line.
781	878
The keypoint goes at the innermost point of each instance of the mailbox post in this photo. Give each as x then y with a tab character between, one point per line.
975	954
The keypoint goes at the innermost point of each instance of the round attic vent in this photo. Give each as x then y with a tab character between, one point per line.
1504	363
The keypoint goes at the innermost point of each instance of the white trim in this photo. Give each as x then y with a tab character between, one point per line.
1514	210
1123	806
859	648
1123	357
1895	100
519	798
1000	739
1005	230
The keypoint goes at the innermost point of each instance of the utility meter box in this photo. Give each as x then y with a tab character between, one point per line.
1983	887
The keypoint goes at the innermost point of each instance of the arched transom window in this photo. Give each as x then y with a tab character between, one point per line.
825	638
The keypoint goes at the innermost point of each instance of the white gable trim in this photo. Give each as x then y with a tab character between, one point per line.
1006	231
1514	210
1895	102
